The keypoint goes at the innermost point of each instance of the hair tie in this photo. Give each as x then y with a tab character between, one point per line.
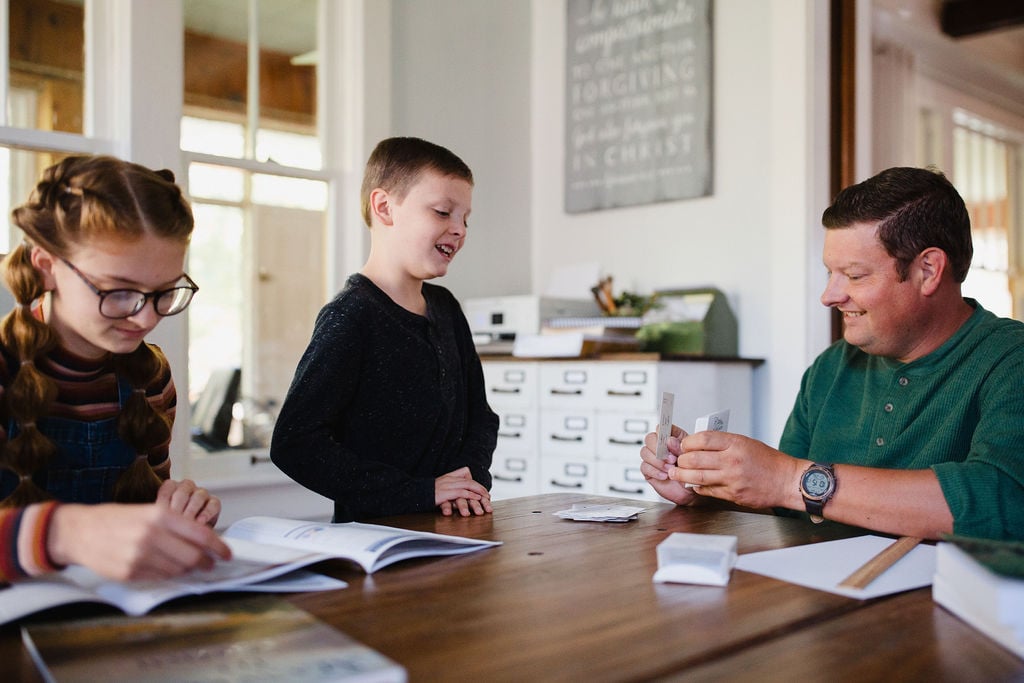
24	477
139	391
27	361
29	423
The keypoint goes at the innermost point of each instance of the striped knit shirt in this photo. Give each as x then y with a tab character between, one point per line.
86	391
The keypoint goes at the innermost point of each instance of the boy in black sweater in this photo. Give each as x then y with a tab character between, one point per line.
387	412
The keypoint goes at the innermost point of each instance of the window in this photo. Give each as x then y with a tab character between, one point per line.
983	160
982	172
45	66
260	202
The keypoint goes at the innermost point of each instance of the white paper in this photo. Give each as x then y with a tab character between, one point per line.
824	565
600	513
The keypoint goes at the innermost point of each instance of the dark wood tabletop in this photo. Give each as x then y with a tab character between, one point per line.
563	600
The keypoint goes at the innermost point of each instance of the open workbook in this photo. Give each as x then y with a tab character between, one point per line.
268	554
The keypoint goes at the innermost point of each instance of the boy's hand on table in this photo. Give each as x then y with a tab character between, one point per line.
458	492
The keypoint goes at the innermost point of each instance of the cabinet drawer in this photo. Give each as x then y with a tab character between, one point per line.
568	385
621	436
513	475
627	387
517	430
625	480
559	474
567	433
510	384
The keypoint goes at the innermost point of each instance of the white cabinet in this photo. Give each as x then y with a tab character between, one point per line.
579	425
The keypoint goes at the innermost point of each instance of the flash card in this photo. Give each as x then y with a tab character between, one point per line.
665	423
712	422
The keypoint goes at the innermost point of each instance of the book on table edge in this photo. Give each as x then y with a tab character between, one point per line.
261	638
991	602
268	554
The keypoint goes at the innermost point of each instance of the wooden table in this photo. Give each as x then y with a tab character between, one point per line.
574	601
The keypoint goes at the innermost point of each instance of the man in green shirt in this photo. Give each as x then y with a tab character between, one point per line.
913	423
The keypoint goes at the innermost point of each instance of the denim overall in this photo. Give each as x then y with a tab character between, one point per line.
90	457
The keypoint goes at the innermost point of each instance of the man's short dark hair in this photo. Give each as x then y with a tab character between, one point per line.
915	208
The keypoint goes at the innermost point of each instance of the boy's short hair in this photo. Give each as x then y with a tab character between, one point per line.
397	163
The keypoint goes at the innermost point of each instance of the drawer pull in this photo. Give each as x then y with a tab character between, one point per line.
577	485
566	392
511	435
613	392
559	437
500	390
514	480
625	442
616	489
258	459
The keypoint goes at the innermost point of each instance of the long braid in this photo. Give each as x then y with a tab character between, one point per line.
140	425
31	392
79	199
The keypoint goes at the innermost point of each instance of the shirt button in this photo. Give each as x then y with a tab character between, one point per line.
904	381
888	407
879	441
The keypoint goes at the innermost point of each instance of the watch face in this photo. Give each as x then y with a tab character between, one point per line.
817	483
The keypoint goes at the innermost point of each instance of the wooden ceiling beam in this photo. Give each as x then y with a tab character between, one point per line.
969	17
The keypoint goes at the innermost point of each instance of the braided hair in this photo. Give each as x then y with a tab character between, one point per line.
80	199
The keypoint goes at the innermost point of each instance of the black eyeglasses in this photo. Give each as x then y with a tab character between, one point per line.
124	303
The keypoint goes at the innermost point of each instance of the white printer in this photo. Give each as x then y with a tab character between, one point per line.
498	319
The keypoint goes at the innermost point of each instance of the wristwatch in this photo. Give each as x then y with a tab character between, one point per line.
817	485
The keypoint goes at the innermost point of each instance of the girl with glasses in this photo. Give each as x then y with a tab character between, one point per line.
86	405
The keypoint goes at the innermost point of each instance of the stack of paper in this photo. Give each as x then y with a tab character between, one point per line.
982	582
600	513
696	558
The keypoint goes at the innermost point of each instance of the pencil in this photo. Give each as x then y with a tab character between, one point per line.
874	567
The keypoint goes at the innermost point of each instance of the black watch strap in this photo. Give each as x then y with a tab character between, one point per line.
815	505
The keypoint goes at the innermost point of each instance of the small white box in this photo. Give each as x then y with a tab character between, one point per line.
696	558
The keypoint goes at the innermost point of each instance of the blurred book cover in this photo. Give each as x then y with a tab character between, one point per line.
982	582
260	638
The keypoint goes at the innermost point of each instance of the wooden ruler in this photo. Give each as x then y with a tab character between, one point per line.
877	565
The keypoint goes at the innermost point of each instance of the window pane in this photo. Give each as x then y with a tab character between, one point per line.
20	170
46	71
288	149
260	265
981	174
215	316
297	193
217	81
209	136
216	182
287	74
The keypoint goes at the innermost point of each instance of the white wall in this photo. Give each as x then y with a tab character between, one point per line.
486	78
757	238
461	73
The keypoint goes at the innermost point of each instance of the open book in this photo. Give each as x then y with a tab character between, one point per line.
268	554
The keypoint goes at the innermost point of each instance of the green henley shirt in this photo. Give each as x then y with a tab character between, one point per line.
959	411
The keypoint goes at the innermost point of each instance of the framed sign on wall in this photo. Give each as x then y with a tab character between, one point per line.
637	102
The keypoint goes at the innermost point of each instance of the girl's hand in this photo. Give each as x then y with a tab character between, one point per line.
132	542
190	501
